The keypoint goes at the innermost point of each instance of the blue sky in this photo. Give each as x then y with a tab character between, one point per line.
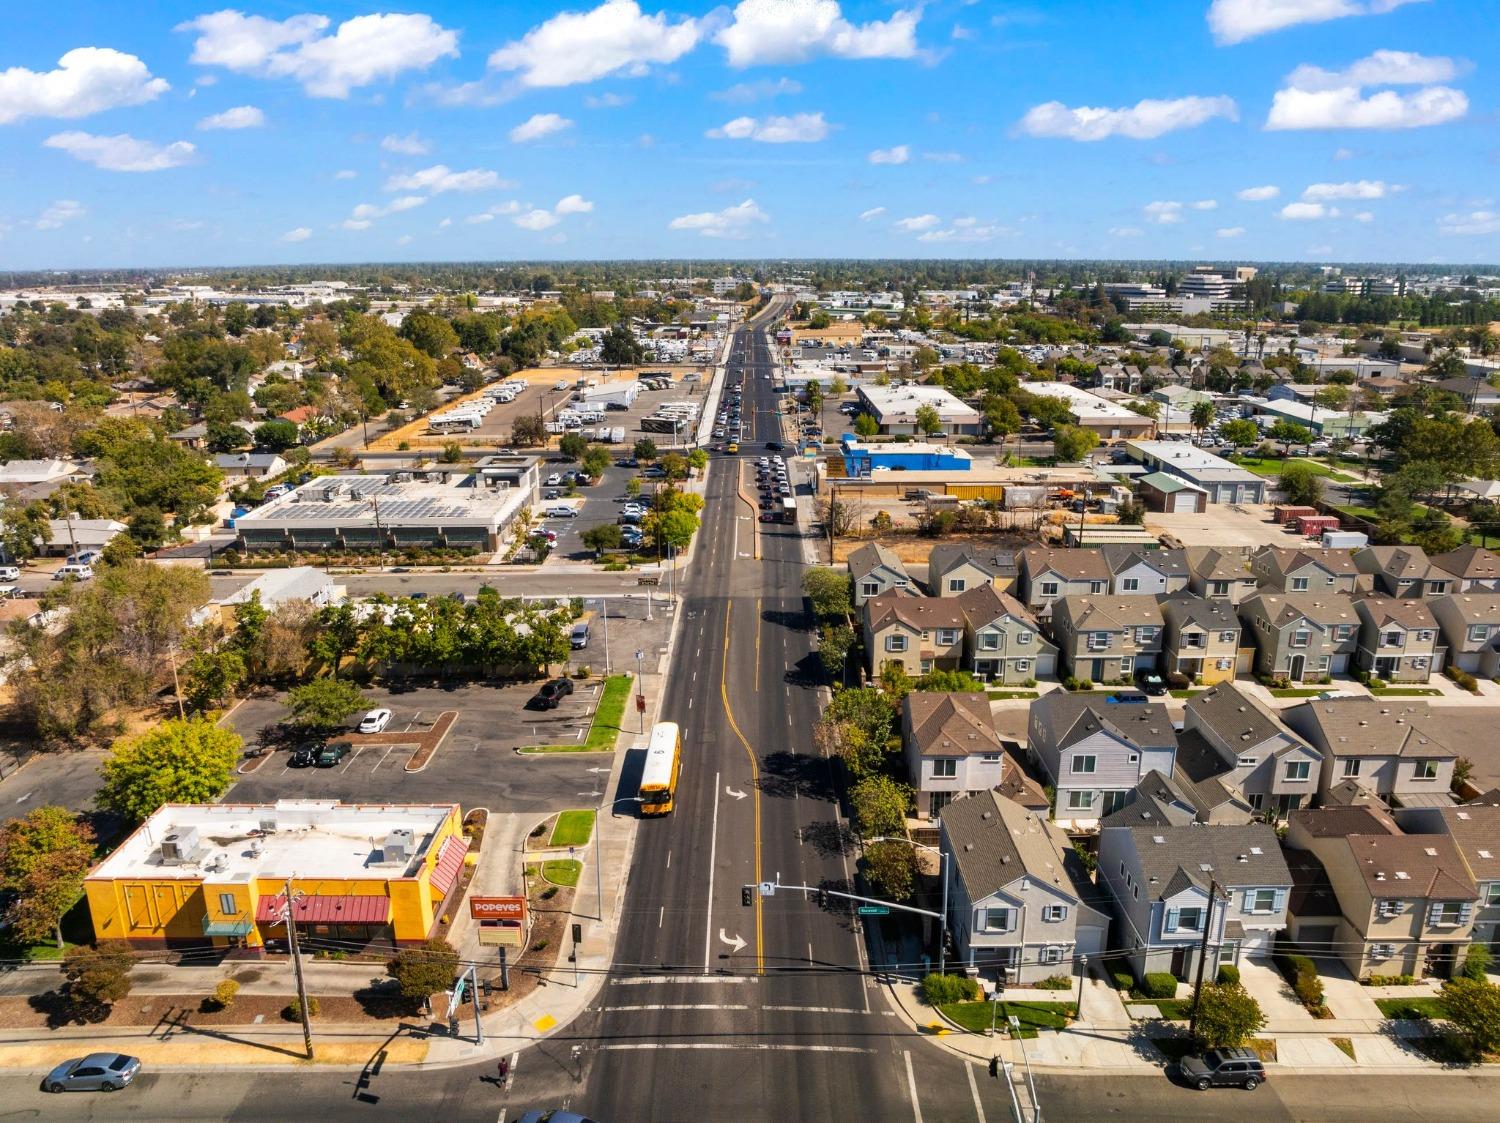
187	134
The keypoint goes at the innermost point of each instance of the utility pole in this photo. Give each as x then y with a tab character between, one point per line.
291	943
1208	921
176	684
474	996
598	866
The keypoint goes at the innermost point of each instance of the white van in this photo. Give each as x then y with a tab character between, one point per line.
10	573
75	572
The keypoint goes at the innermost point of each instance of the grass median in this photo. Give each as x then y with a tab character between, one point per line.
976	1016
573	828
605	727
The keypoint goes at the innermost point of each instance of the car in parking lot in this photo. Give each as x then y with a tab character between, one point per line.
579	639
626	462
1236	1067
375	721
551	694
303	757
547	536
554	480
654	473
561	511
331	754
97	1072
551	493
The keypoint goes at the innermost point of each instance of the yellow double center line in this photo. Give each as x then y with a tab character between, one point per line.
760	955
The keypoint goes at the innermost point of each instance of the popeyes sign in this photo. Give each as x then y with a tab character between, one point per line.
497	908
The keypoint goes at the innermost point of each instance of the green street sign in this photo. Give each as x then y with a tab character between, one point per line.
874	910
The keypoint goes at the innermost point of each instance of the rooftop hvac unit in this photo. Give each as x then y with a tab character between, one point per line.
398	848
180	847
268	826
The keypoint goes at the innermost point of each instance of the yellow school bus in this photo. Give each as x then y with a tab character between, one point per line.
663	764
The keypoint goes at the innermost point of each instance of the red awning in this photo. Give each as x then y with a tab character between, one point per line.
450	862
313	909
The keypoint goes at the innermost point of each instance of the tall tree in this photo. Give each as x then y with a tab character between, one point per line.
176	762
43	859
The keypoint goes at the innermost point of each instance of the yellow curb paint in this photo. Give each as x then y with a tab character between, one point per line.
544	1023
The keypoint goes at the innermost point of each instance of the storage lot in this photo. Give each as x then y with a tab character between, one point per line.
1224	524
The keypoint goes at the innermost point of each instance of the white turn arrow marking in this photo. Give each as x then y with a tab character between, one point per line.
731	792
597	770
735	943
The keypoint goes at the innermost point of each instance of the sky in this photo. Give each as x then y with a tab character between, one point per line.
180	134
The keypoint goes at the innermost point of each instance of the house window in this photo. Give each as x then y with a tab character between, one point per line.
1298	585
1492	894
945	768
989	641
1080	801
1447	913
1322	662
227	906
1145	635
1382	951
870	588
1478	633
1098	641
956	584
1218	588
1085	764
1343	631
998	920
947	637
1351	768
1130	585
1301	637
895	643
1297	770
1184	920
1260	900
1023	664
1024	638
1127	665
1419	663
1425	770
1051	955
1391	639
1390	908
991	758
1049	588
1053	913
1194	639
1246	762
1424	636
1096	586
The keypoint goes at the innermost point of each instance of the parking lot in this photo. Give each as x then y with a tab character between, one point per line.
1223	524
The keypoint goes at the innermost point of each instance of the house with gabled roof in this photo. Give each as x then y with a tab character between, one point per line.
1391	747
1470	627
1399	639
1301	636
953	569
1475	831
1048	574
1135	571
1102	638
1230	739
1403	572
1475	569
1003	641
1294	570
1202	638
920	633
876	569
1095	752
951	747
1219	574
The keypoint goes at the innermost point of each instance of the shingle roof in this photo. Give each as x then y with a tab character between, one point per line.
1472	562
1235	716
1196	854
1336	822
1071	717
996	841
1395	561
1074	565
1374	727
1183	607
1156	800
1285	559
1407	614
1326	609
1119	556
1197	768
870	556
1476	831
922	613
1218	565
945	724
946	556
1421	865
1473	608
1098	612
984	603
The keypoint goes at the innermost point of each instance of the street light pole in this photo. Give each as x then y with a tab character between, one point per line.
943	927
1083	970
640	692
291	943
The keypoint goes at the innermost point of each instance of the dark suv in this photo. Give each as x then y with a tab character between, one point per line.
1238	1067
552	692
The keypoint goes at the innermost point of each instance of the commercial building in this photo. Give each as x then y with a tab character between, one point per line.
216	874
1224	482
861	459
1089	411
895	409
463	509
1323	422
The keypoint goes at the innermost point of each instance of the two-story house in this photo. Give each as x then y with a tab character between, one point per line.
1218	574
1470	626
1104	638
1047	575
1301	636
1020	904
951	747
920	633
1003	641
1094	752
1474	569
876	570
1177	799
1171	885
1134	571
1398	639
1402	904
1295	570
1475	830
1229	737
1202	638
1403	571
1389	747
953	570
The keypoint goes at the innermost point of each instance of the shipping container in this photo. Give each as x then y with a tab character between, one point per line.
1286	514
1345	540
1314	525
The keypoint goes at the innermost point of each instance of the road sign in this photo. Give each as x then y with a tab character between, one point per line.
768	889
874	910
497	908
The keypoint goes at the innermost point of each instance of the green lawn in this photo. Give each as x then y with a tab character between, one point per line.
1003	694
1410	1007
1407	692
1187	693
606	724
563	872
1300	691
573	828
1272	466
975	1016
1172	1009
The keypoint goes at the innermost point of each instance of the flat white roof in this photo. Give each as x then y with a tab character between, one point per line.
306	838
898	402
357	500
912	448
1194	461
1085	406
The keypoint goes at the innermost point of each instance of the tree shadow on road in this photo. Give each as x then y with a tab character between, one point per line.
787	774
829	838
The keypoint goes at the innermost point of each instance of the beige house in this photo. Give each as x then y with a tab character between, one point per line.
1475	830
1048	575
875	570
1403	571
1291	570
1002	640
1390	748
1475	569
920	633
1103	638
1202	638
953	570
1216	574
951	747
1402	904
1398	639
1470	627
1301	636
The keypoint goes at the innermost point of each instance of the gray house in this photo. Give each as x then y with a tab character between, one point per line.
1160	878
1105	638
1047	574
951	747
1227	736
1475	569
1202	638
1470	627
876	570
1390	748
1403	571
1134	571
1095	753
1020	905
1290	570
1301	636
1002	640
1398	639
953	570
1216	574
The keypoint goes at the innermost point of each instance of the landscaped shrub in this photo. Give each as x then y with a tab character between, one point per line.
1229	973
1123	980
1309	990
1159	984
224	994
1056	982
1463	678
939	990
1072	683
1477	963
293	1011
1391	981
1176	680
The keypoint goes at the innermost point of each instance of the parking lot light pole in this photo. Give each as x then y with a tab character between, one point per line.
604	601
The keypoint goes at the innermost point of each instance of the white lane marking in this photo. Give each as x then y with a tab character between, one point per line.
668	1006
911	1083
974	1089
814	1009
661	915
669	859
755	1047
651	980
713	849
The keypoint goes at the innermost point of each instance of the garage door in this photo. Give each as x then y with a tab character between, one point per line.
1185	501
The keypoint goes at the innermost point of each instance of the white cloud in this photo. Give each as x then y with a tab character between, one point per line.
608	101
366	213
346	173
60	212
776	31
539	125
1344	154
1206	205
731	222
872	213
240	117
918	223
966	230
615	38
1348	109
1142	121
1365	216
539	218
1363	189
766	88
943	157
1382	68
122	153
899	154
1475	222
361	50
1304	212
300	234
1230	231
500	210
1163	213
440	178
1234	21
87	80
573	204
1257	194
536	219
1125	231
409	145
796	129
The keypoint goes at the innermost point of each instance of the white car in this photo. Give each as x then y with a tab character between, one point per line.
554	479
561	512
375	721
560	385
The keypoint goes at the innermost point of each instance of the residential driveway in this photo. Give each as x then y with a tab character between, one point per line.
1280	1006
1343	994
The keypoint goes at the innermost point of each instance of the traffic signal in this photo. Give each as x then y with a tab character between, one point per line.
747	895
821	896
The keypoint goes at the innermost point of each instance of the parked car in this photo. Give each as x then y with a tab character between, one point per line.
331	754
554	480
561	511
303	757
74	573
1237	1067
1150	682
580	636
552	693
551	493
97	1072
627	462
375	721
10	573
